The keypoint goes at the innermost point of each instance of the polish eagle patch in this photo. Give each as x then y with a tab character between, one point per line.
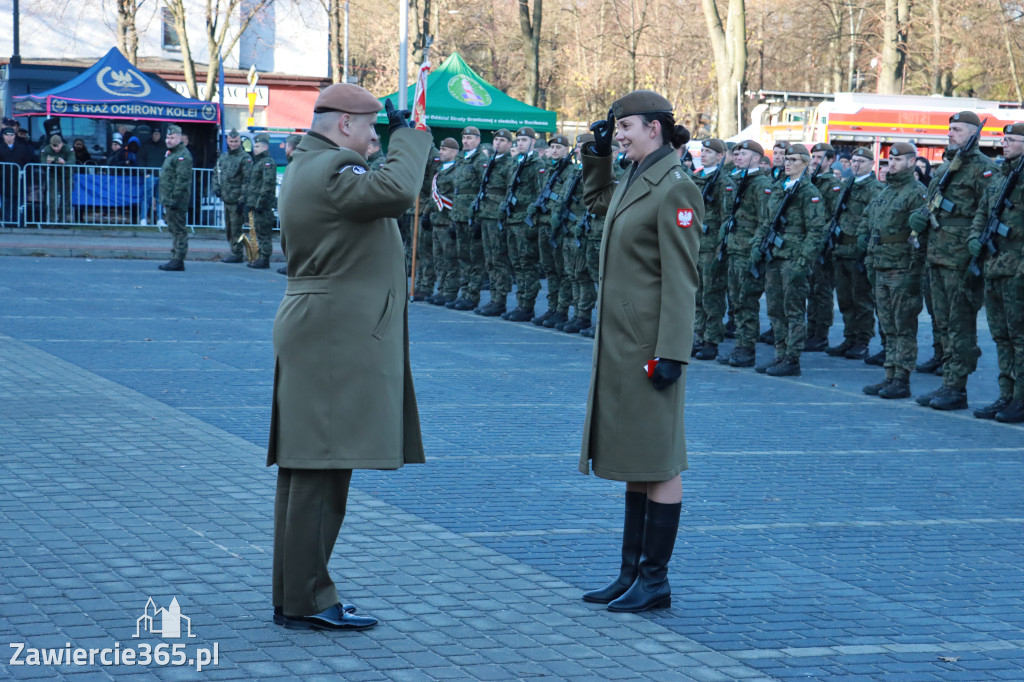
684	217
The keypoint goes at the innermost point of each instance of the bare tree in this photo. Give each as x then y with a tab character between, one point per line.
632	27
530	29
1005	22
894	47
729	45
220	35
127	32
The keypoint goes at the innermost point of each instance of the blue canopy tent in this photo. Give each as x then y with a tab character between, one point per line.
114	89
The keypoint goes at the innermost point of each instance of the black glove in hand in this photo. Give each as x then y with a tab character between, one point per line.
603	133
666	373
397	118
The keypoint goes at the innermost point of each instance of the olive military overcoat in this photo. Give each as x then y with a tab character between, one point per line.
343	390
646	303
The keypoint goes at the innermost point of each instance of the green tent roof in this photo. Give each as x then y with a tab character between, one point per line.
457	97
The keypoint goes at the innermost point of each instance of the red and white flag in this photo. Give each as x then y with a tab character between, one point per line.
419	100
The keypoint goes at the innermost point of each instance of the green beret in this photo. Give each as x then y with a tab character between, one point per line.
752	146
584	138
780	144
262	137
347	98
797	149
641	102
293	140
173	129
714	144
450	143
902	148
526	131
824	147
505	133
1014	129
965	117
864	153
471	130
560	139
232	133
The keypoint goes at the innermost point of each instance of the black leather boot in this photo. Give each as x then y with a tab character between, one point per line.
632	549
1012	413
651	589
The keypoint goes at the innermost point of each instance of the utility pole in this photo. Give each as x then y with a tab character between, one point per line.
403	52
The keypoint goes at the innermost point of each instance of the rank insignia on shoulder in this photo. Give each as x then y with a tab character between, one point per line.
815	200
684	217
358	170
677	174
986	174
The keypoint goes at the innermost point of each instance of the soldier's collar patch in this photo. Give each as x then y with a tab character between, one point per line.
358	170
677	174
684	217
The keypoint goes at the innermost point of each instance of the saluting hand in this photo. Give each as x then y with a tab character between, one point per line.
603	133
397	118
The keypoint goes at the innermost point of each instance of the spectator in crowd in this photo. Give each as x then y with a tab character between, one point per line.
82	155
13	157
126	156
152	151
923	170
57	180
116	147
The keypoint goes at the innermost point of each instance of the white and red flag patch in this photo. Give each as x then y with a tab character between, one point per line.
684	217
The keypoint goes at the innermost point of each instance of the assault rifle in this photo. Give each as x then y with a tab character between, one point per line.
730	222
995	226
505	210
708	187
541	202
474	208
566	214
935	199
834	231
773	238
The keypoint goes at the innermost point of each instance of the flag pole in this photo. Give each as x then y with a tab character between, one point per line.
419	93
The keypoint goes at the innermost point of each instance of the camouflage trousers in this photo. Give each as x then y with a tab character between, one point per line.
471	259
552	262
592	263
264	224
712	284
499	267
820	298
179	232
522	251
234	224
577	289
956	305
1005	312
446	260
426	274
745	298
856	302
786	289
898	309
926	290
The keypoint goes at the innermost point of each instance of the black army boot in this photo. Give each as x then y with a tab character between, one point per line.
632	549
990	411
949	398
768	337
450	305
283	270
763	369
815	344
840	350
1012	413
876	360
260	263
857	351
926	399
233	258
708	351
698	343
651	590
588	332
556	318
577	325
789	367
742	357
173	265
492	309
465	304
539	320
898	388
929	366
875	389
520	315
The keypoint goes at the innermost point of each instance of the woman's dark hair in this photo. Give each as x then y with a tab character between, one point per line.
924	175
675	135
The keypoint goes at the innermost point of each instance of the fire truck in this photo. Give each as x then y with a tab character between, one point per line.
854	119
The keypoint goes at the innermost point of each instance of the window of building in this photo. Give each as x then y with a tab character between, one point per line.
171	42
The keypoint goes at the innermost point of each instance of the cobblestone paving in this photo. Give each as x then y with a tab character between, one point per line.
825	534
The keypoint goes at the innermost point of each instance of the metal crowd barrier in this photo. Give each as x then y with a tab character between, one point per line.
11	194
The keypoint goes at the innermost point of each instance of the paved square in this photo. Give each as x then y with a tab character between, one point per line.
825	534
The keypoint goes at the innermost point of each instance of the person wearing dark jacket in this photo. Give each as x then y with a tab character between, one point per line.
17	154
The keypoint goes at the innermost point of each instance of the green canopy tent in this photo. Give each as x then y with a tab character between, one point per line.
457	97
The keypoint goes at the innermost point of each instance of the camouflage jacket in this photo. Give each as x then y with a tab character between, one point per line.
555	175
569	201
231	175
714	205
1010	254
176	177
500	172
426	204
754	192
804	229
444	182
261	190
376	160
884	223
947	245
860	196
528	184
469	172
66	153
830	190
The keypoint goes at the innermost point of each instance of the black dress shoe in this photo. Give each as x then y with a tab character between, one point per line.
279	614
331	618
172	266
233	258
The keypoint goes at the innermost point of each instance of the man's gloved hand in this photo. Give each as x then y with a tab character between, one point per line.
603	133
425	223
666	373
974	246
397	118
756	255
918	222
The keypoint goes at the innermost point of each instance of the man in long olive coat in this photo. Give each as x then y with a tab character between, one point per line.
343	391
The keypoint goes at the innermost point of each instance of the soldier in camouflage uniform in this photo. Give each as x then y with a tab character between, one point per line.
426	274
712	281
956	301
491	195
884	232
592	232
175	195
549	235
786	275
375	158
1004	305
746	203
261	198
229	180
525	185
570	212
822	282
446	254
469	173
853	289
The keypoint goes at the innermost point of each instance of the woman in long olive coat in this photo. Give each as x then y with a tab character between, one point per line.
634	425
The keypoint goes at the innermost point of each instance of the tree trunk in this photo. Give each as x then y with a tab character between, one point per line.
127	33
936	47
334	39
531	47
729	46
1009	51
